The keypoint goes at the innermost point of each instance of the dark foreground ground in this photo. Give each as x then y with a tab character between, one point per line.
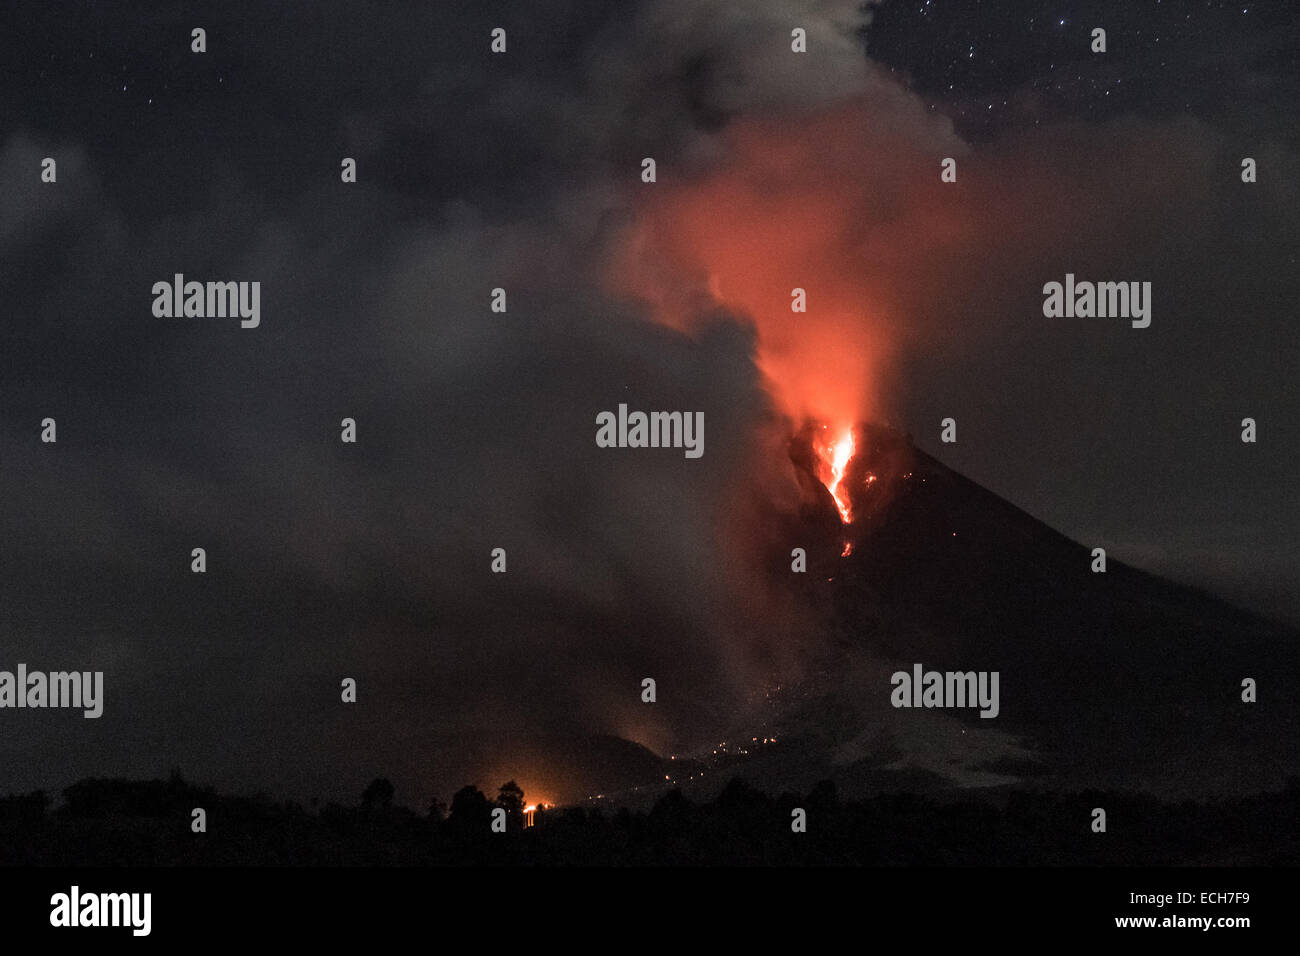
148	823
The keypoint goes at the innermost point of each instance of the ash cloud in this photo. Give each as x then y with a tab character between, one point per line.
476	430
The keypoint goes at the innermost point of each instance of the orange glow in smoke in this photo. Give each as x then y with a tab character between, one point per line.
822	232
781	235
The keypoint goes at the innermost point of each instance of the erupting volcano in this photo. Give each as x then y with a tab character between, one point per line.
908	561
942	571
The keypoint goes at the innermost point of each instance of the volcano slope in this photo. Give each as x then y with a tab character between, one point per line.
1115	679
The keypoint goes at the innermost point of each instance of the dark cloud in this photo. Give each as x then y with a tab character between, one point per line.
476	429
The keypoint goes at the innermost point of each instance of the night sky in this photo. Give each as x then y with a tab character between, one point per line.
475	429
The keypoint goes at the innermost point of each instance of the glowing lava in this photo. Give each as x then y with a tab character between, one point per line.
835	459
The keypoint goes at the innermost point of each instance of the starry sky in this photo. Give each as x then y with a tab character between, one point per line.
477	171
996	65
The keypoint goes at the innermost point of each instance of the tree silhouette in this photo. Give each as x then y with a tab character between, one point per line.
736	827
471	811
511	799
379	794
437	811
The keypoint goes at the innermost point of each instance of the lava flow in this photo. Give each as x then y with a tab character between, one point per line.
835	457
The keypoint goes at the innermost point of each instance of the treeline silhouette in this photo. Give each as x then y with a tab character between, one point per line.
142	823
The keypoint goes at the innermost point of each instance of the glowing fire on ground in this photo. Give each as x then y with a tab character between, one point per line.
835	457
